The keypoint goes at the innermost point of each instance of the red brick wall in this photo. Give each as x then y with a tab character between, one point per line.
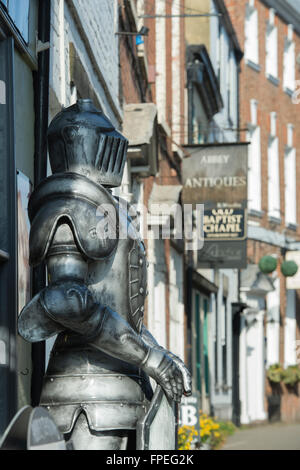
255	85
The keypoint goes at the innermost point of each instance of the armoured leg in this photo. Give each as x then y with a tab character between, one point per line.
83	438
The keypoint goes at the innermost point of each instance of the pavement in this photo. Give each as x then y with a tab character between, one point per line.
277	436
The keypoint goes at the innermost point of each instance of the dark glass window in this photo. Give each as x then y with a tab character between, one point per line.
18	10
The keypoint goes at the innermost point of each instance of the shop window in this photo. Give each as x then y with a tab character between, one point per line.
18	10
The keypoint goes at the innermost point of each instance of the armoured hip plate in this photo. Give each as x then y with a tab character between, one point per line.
112	393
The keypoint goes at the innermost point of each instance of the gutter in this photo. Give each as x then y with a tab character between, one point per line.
41	108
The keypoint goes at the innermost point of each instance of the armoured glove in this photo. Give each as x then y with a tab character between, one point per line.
184	373
160	365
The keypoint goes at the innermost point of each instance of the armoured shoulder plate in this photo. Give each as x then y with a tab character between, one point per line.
73	199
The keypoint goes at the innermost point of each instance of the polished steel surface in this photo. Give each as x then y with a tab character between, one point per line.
82	140
98	374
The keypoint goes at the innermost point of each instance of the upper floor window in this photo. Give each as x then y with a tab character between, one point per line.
290	179
232	89
289	62
254	160
251	33
19	13
271	46
273	170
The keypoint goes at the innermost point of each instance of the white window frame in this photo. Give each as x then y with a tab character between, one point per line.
254	160
289	62
272	47
273	171
251	34
19	13
290	182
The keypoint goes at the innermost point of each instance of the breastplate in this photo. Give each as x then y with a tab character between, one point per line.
120	281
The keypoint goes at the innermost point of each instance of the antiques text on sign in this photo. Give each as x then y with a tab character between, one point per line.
216	176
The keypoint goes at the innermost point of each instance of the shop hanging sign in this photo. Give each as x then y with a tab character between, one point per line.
216	175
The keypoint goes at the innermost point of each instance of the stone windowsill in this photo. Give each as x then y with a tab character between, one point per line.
255	213
274	220
253	65
293	227
273	79
288	91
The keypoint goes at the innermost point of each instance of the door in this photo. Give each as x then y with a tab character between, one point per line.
200	348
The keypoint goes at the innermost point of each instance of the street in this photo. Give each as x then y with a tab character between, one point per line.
267	437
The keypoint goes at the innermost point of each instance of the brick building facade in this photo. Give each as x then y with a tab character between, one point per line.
269	33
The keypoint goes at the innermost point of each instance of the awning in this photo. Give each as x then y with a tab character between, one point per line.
164	195
161	201
140	128
255	282
202	283
139	122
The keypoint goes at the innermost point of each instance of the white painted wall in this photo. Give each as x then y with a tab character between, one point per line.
290	358
255	368
95	42
160	28
252	361
157	290
273	324
176	304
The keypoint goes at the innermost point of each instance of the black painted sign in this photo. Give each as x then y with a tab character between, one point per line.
216	176
226	223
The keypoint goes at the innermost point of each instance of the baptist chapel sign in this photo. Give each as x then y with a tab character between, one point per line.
216	175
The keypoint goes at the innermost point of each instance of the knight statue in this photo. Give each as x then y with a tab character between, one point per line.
97	385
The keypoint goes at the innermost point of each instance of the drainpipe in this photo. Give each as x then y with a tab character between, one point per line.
190	107
41	105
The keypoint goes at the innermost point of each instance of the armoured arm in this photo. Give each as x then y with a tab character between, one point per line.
69	305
